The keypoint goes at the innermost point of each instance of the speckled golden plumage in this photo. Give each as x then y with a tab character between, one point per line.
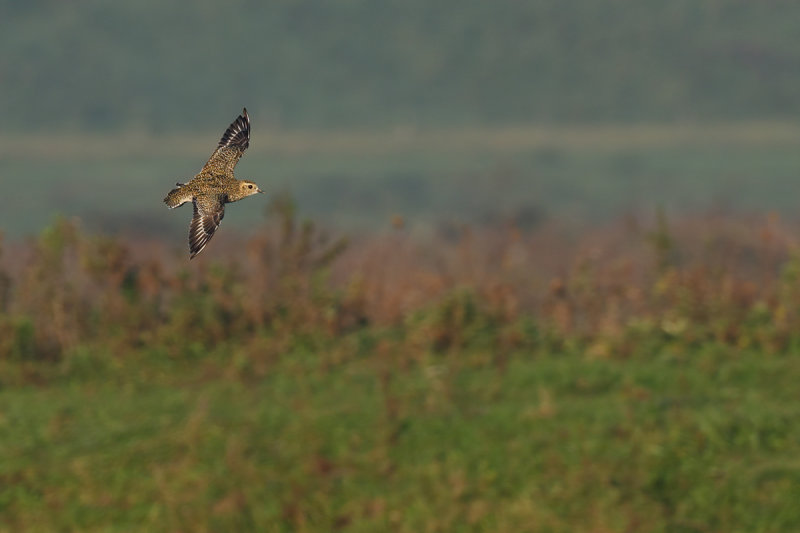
215	185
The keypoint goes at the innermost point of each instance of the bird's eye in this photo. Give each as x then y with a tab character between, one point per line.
249	186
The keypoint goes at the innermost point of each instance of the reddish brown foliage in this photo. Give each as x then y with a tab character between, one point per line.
732	280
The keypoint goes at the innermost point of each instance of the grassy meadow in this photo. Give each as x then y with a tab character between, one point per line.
637	375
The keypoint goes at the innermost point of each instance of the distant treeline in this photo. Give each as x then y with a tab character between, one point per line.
95	65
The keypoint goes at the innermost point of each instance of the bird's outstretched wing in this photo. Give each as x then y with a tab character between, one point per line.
231	146
205	221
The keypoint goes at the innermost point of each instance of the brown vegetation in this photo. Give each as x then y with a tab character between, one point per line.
603	289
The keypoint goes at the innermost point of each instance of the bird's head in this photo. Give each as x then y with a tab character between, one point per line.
248	188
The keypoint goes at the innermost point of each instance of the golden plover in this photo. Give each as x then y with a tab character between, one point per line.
214	186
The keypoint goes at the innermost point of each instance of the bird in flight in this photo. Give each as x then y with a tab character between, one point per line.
214	186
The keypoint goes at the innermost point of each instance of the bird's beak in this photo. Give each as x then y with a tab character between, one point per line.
259	190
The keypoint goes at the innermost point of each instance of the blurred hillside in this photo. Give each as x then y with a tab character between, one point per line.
93	65
438	111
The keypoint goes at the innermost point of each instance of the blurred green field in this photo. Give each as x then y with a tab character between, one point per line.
355	180
704	440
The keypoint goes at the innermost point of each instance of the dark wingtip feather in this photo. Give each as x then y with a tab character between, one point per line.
238	133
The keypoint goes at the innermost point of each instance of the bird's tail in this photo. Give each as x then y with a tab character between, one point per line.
176	197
